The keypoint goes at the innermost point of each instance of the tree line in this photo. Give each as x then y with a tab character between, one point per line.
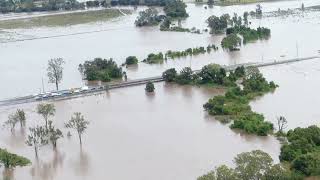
33	5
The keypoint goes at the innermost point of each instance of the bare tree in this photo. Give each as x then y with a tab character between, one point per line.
282	123
78	123
37	138
55	71
12	121
54	134
46	110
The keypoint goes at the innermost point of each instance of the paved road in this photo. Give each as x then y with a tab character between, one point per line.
99	89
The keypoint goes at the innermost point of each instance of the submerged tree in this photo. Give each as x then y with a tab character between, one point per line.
10	160
36	138
54	70
46	110
149	87
78	123
11	122
21	116
14	118
54	134
231	42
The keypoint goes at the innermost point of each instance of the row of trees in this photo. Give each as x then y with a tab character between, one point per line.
155	58
212	74
47	133
33	5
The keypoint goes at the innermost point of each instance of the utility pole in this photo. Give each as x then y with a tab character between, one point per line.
42	85
297	48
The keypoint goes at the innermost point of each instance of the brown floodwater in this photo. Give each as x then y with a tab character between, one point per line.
23	64
134	135
297	97
165	136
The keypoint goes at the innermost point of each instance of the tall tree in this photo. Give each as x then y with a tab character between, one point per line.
78	123
54	70
21	115
10	160
37	138
46	110
54	134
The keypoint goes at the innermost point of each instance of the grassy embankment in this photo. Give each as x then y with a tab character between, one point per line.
63	19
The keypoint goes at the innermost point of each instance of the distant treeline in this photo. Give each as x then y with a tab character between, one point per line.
32	5
7	6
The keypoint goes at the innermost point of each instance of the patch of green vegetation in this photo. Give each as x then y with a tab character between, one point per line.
100	69
148	17
231	42
235	103
252	165
303	150
63	19
249	34
130	60
154	58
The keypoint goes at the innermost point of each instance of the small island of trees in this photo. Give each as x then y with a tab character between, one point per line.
238	26
173	9
234	105
100	69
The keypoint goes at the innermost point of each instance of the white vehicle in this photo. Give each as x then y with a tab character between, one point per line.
84	88
55	94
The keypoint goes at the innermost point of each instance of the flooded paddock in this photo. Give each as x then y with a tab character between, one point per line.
134	135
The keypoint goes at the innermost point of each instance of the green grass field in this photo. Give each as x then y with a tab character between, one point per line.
63	19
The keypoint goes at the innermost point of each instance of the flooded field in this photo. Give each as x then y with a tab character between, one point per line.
297	97
136	136
167	135
25	62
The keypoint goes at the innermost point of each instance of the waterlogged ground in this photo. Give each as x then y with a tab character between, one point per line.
24	63
167	135
297	97
136	136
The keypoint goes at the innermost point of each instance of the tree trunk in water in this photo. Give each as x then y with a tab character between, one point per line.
36	151
54	145
46	124
80	139
57	85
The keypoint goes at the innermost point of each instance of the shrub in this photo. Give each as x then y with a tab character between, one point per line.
149	87
169	75
131	60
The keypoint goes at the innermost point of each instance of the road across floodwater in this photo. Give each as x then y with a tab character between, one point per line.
99	89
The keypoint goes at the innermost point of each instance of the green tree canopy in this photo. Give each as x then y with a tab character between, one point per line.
10	160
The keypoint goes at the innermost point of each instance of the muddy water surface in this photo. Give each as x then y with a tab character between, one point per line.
138	136
23	64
